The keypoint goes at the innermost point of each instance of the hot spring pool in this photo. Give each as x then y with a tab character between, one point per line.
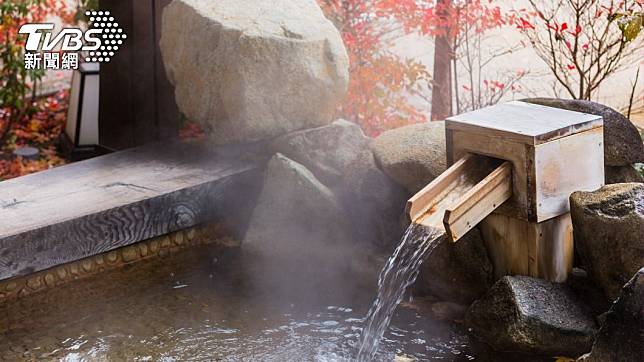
192	306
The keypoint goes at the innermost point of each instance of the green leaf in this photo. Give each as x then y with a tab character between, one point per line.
632	28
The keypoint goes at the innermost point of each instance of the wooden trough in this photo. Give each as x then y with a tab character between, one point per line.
513	168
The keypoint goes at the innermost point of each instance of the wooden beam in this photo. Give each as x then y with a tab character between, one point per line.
94	206
423	200
478	202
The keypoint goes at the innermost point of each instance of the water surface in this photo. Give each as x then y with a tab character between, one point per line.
198	306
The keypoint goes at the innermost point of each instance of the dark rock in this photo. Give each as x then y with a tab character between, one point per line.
299	229
375	203
587	290
412	155
622	174
524	314
459	272
621	336
448	311
622	141
609	233
339	156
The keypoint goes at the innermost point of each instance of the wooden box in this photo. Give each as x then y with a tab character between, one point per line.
554	152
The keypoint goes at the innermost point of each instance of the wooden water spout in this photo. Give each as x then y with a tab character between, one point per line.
463	195
513	168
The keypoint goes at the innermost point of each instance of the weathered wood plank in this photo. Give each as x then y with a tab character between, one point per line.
93	206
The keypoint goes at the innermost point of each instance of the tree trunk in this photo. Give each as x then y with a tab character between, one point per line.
442	83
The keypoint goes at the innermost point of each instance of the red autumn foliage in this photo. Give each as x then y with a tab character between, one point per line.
381	82
191	130
41	130
23	123
38	11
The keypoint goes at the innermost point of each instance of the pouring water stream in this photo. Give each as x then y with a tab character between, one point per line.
399	273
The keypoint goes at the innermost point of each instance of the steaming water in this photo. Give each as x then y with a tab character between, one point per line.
398	274
195	307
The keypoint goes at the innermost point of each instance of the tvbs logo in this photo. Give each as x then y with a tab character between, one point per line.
72	39
99	43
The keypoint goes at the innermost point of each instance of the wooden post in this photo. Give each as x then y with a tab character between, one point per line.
136	100
519	247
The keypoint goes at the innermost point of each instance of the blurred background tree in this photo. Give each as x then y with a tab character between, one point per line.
380	80
583	42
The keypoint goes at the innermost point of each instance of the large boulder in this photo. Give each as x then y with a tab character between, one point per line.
253	69
339	156
622	141
524	314
621	335
609	233
412	155
457	272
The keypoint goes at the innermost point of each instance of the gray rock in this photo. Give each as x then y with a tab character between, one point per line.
299	225
412	155
609	233
375	203
328	151
249	70
339	156
458	272
622	174
524	314
622	141
622	332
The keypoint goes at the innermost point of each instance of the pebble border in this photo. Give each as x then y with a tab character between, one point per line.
161	246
